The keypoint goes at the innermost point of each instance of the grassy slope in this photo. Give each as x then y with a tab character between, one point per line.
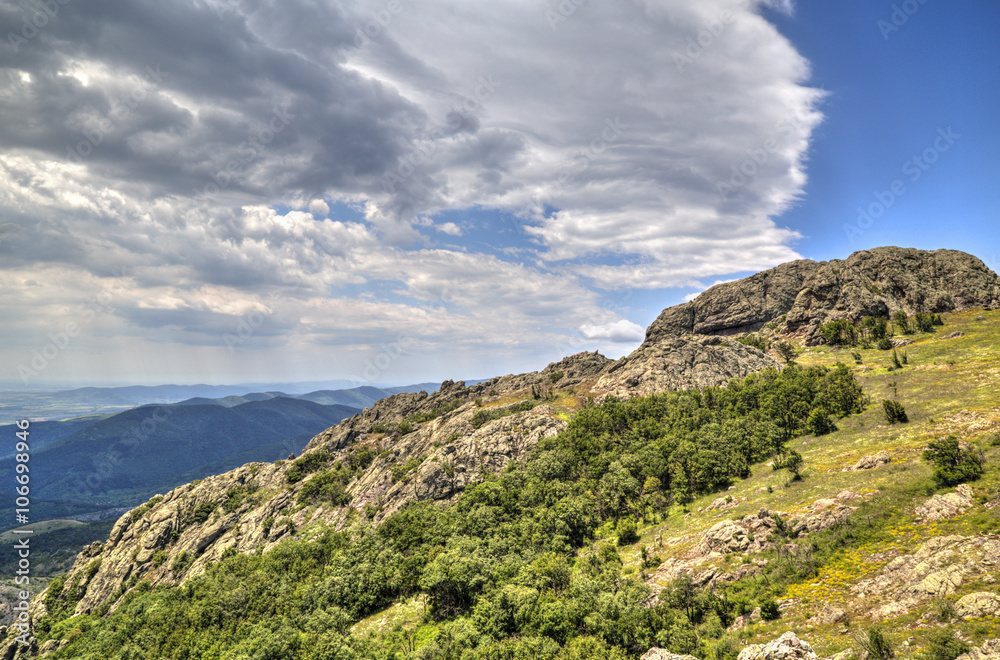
950	386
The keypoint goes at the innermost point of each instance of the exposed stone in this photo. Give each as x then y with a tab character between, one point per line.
872	461
949	505
954	335
936	570
786	647
990	650
829	614
672	363
664	654
900	342
801	295
981	603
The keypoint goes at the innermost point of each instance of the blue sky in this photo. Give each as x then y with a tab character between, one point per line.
396	192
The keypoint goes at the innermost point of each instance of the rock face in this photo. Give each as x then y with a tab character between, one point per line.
786	647
935	570
990	650
664	654
979	604
807	293
949	505
872	461
671	363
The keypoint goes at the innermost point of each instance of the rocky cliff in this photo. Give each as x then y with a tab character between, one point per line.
801	295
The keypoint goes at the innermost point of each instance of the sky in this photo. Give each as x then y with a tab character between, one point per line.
393	191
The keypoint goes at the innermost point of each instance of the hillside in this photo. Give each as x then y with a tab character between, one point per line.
535	515
123	459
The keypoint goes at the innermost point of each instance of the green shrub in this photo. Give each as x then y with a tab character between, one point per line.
819	422
405	427
895	360
755	340
840	332
555	377
894	412
307	464
943	645
902	321
182	562
952	463
159	558
626	531
769	610
203	511
785	351
924	322
874	644
884	344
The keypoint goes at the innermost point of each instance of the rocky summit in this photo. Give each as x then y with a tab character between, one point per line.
695	499
798	297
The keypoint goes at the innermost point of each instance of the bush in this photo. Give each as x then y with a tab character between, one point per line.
769	610
902	321
841	332
405	427
952	463
627	531
874	644
202	512
785	351
894	412
895	360
884	344
819	422
943	645
924	322
756	341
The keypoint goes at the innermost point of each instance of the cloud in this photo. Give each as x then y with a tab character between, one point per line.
209	151
621	331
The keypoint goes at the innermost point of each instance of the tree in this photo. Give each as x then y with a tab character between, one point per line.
902	321
894	412
953	464
785	351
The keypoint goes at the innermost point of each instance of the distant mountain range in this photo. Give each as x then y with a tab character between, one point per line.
38	405
106	461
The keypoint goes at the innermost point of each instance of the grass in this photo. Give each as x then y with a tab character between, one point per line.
949	387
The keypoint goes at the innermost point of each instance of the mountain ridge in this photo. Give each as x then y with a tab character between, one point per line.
419	446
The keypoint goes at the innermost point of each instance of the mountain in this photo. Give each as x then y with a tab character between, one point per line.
696	497
125	458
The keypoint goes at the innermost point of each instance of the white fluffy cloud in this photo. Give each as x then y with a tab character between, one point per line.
641	144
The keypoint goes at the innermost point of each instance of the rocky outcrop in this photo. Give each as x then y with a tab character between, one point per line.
786	647
990	650
872	461
801	295
978	604
949	505
674	363
936	570
664	654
